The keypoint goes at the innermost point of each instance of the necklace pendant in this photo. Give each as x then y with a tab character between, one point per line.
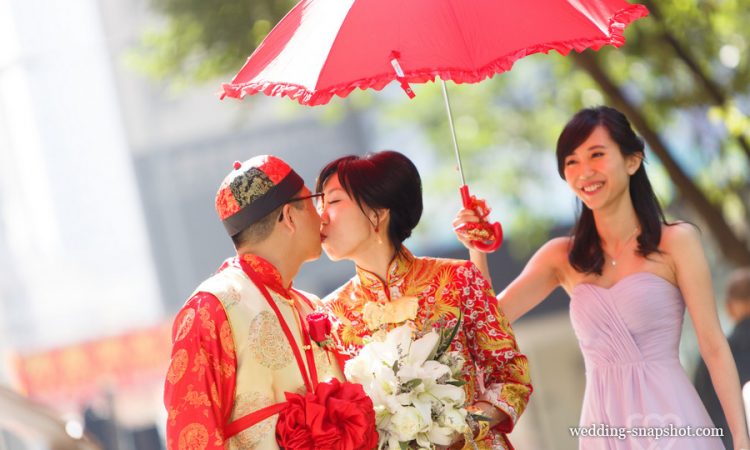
614	263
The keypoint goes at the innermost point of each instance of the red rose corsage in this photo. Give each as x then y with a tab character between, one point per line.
319	326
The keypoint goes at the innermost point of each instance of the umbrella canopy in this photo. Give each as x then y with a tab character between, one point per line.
330	47
324	48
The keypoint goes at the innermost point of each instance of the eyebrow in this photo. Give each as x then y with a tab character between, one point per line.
592	148
333	190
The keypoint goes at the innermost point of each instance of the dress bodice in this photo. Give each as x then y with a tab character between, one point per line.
629	335
637	319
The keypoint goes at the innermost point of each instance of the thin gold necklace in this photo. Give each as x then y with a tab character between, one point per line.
613	258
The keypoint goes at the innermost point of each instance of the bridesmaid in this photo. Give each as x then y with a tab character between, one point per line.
630	275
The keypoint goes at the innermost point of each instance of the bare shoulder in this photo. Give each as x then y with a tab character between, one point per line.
556	248
552	258
679	236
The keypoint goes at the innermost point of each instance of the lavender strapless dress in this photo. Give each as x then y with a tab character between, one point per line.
629	336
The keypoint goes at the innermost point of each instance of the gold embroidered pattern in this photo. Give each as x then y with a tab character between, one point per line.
493	343
514	396
196	398
200	363
229	297
268	344
251	437
250	186
215	395
172	414
193	437
178	366
185	321
323	363
396	311
445	289
206	322
227	341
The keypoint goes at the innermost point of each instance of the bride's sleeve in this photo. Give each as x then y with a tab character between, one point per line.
505	371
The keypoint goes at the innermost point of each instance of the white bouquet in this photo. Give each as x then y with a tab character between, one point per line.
415	387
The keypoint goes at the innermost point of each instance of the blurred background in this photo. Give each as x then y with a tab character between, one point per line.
113	142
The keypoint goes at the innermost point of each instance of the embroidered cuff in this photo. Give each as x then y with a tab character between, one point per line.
493	395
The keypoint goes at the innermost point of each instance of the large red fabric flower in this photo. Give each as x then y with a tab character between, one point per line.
337	416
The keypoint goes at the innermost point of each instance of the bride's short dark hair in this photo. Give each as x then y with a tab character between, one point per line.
382	180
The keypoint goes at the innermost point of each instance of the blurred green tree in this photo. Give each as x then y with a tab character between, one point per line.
202	40
682	79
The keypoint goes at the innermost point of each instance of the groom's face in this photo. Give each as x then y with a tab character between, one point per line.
308	227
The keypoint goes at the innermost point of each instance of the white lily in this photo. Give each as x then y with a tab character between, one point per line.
359	369
422	348
454	418
440	435
407	386
406	423
447	393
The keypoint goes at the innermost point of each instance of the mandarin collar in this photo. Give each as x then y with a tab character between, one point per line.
267	272
397	269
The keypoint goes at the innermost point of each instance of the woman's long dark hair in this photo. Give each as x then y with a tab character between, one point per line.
586	254
382	180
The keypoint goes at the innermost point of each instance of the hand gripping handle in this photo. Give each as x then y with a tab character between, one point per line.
494	229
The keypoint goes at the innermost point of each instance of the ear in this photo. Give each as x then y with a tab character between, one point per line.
379	217
633	162
287	221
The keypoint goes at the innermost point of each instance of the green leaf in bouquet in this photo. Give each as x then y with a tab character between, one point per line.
480	417
395	366
411	384
457	383
445	342
404	445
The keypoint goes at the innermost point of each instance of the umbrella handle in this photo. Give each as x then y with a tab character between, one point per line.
493	230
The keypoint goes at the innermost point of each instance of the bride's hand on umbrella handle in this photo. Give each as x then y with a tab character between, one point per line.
465	219
476	233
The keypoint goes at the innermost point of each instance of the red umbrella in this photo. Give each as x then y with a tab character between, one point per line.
330	47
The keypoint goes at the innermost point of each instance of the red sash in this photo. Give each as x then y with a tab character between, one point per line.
255	417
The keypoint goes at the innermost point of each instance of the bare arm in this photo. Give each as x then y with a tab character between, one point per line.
537	280
693	276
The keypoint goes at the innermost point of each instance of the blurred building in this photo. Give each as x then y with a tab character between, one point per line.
107	182
183	144
72	219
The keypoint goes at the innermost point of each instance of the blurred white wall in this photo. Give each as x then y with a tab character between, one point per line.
73	223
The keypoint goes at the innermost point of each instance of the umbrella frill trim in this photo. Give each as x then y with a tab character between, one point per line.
304	96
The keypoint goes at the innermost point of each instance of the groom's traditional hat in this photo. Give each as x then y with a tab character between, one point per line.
253	190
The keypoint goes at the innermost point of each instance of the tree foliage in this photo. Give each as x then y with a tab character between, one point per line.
202	40
683	78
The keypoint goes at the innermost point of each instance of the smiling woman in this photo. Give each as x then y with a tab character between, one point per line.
601	158
628	296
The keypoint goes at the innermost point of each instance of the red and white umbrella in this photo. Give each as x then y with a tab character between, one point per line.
324	48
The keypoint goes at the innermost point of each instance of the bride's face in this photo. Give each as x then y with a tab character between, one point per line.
344	230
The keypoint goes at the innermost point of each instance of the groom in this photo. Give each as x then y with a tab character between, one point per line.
231	359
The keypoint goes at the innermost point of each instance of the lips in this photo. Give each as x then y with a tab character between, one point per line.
592	188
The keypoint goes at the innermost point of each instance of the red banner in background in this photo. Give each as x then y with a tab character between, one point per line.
77	373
